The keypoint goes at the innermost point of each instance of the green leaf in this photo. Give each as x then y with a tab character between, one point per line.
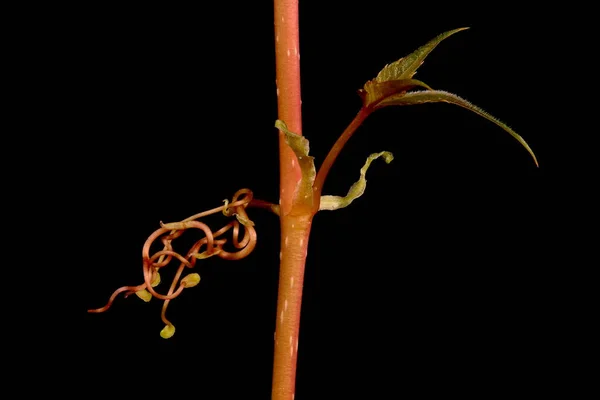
357	189
374	92
437	96
407	66
396	78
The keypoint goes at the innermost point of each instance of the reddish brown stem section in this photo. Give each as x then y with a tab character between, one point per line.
295	222
295	215
337	148
295	231
287	63
287	78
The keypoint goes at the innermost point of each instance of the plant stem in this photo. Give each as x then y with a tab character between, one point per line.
324	169
295	231
287	53
295	222
287	72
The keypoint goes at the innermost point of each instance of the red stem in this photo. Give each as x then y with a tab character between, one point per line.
295	215
295	231
337	148
295	222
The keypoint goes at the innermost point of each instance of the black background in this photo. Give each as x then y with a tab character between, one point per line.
447	276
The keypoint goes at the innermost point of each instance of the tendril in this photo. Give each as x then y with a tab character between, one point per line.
212	243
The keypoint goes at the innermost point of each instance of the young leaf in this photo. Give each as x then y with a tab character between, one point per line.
377	91
437	96
407	66
396	78
357	189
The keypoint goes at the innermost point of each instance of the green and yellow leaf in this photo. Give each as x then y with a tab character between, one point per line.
377	91
407	66
437	96
396	77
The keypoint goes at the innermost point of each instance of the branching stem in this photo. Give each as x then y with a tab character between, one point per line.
337	148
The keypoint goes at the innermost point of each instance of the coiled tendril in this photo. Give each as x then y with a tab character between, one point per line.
212	244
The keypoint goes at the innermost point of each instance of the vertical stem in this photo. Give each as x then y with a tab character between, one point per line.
295	231
287	71
287	63
295	225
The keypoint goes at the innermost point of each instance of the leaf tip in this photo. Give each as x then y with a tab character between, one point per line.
537	164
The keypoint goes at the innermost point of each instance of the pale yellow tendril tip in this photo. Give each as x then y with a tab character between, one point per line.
204	254
191	280
244	221
226	211
168	331
144	295
156	280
